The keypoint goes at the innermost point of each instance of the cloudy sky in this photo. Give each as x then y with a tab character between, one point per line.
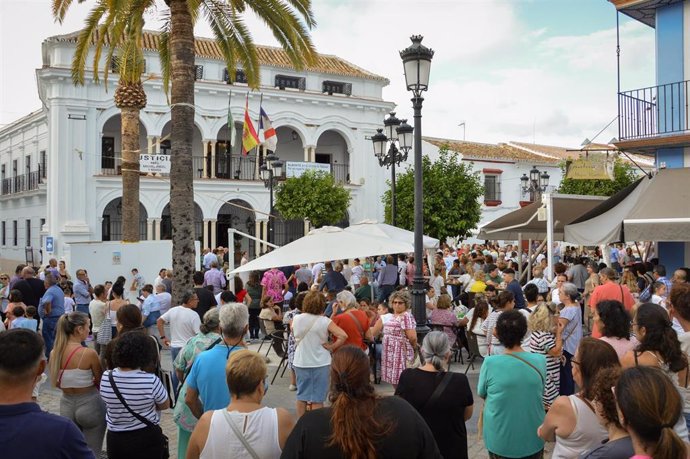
525	70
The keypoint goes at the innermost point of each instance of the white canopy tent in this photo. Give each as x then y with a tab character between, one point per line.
373	228
327	243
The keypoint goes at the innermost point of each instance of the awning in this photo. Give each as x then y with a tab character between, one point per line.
525	222
604	223
662	212
373	228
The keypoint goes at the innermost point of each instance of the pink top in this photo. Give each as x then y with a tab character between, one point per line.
640	456
274	280
621	346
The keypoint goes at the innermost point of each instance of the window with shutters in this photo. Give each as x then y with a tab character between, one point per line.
198	72
4	233
291	82
15	234
492	189
240	76
114	64
336	87
28	233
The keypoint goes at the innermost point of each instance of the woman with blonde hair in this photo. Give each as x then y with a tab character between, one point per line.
479	284
545	339
444	316
399	338
630	280
245	428
76	370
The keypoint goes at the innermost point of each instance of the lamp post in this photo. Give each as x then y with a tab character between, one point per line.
397	131
535	184
271	172
417	65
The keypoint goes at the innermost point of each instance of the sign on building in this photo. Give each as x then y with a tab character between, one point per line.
591	167
50	244
297	168
154	164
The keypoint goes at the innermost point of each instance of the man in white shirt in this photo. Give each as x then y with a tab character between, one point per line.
556	292
357	273
164	298
209	257
316	271
184	324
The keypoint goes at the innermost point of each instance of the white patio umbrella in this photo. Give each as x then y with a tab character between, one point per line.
374	228
324	244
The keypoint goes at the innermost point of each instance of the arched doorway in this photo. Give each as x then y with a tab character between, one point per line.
111	226
331	148
230	162
111	145
197	148
166	224
240	215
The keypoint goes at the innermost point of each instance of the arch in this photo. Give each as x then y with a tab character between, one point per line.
111	195
299	129
166	224
339	126
249	198
111	225
290	144
332	148
241	218
111	144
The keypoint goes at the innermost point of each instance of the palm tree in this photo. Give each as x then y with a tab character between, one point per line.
289	20
117	25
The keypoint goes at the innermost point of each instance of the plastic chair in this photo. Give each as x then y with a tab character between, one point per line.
279	343
474	350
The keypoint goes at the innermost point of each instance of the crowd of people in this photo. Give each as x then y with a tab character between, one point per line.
593	359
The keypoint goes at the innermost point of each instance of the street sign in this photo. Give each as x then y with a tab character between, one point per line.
50	244
297	168
154	164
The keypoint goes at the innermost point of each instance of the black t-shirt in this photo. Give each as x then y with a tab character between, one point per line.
206	301
446	416
409	438
32	290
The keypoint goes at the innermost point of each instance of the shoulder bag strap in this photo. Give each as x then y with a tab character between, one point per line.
533	367
240	436
359	325
587	402
299	340
439	390
141	418
62	370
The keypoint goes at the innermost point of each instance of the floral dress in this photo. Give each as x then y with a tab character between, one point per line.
397	350
287	318
182	415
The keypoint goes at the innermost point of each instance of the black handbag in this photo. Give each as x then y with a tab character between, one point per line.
165	443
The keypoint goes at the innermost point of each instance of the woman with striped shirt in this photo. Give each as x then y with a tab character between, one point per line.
133	400
545	339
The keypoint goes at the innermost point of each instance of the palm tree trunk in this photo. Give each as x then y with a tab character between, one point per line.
130	173
181	174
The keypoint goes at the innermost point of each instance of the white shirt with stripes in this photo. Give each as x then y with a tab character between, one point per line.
141	390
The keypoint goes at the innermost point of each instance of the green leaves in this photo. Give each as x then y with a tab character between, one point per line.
314	196
623	173
452	195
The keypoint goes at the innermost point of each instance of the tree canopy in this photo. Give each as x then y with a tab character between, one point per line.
452	193
623	174
314	196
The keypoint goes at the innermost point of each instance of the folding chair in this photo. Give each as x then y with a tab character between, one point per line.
474	350
279	343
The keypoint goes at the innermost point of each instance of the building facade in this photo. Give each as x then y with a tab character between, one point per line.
653	120
61	165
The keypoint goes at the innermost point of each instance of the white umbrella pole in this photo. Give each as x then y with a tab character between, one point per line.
549	234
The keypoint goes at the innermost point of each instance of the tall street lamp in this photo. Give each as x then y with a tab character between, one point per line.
535	184
417	65
397	131
271	172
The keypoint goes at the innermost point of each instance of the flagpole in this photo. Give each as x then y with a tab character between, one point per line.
258	124
231	138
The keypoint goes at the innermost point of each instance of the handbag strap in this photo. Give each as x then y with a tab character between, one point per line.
439	390
62	370
141	418
240	436
299	340
533	367
359	325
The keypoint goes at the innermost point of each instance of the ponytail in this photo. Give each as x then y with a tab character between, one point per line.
670	445
67	324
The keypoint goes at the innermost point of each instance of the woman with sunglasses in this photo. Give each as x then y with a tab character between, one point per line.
572	421
245	428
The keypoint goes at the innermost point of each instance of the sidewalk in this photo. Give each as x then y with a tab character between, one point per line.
280	396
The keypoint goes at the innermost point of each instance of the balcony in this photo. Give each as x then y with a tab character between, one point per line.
21	183
228	167
654	117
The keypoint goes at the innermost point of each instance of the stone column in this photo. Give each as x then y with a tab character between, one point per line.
157	229
158	145
257	176
205	234
150	222
205	151
257	233
150	140
213	159
306	226
313	155
307	154
213	225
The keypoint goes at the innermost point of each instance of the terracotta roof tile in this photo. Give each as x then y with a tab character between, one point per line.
268	56
563	153
501	151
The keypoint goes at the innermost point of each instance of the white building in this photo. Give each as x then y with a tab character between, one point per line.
60	165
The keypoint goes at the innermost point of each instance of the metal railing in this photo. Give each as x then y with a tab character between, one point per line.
653	111
20	183
236	167
341	172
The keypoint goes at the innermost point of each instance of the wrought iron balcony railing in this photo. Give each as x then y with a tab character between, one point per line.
653	111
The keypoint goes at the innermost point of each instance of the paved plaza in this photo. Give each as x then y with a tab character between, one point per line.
280	396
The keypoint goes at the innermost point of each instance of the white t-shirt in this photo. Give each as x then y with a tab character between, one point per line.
69	305
311	333
184	324
165	300
357	272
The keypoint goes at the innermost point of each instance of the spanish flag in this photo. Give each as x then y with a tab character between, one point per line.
249	137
